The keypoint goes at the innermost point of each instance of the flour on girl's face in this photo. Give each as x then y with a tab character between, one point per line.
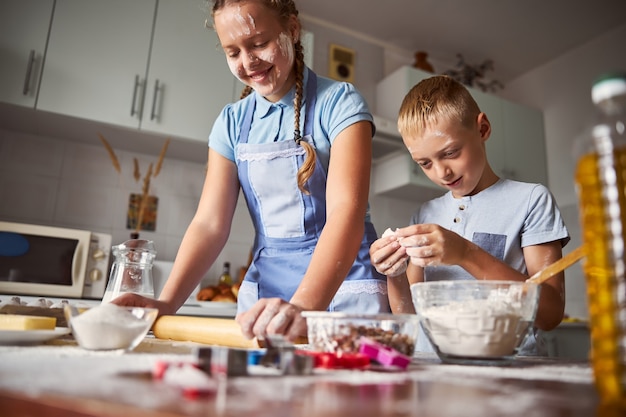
285	46
245	25
267	55
285	43
259	47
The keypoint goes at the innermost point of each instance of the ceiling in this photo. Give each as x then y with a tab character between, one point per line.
518	35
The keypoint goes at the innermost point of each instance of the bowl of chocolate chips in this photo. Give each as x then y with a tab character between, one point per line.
339	332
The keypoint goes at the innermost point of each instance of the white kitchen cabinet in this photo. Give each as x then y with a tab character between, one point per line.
139	64
396	175
390	91
496	152
97	59
189	81
24	26
516	147
524	138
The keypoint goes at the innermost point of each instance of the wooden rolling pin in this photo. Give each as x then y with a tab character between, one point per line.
208	330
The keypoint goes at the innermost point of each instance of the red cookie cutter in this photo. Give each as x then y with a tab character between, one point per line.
339	360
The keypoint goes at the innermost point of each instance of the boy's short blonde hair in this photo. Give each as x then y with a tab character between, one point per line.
435	99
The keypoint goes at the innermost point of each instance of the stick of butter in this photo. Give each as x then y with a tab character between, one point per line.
24	322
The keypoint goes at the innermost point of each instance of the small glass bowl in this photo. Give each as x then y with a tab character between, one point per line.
339	332
109	326
476	321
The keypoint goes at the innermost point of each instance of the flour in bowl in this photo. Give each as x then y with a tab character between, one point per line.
477	328
108	327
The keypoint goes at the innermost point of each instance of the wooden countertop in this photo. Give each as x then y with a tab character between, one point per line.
60	379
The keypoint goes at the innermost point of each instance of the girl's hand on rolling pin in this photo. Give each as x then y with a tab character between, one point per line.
272	316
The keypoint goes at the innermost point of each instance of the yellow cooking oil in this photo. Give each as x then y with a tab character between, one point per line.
601	183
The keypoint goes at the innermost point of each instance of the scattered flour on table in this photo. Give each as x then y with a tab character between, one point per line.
107	326
527	369
477	379
37	370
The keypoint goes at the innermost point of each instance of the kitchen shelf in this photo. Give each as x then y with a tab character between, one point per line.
398	176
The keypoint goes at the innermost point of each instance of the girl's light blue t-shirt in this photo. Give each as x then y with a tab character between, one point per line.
338	106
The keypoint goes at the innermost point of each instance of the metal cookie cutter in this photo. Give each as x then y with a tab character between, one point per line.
281	354
220	360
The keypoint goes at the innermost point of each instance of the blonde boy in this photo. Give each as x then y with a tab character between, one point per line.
484	227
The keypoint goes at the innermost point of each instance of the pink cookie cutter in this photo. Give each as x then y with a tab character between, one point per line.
386	356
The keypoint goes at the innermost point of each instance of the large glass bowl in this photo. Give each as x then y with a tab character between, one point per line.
476	320
109	326
339	332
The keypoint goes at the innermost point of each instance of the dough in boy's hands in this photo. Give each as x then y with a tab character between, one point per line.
401	268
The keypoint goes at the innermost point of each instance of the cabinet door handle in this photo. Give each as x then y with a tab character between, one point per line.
29	69
133	105
153	114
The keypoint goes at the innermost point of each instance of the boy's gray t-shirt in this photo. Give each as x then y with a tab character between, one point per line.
502	220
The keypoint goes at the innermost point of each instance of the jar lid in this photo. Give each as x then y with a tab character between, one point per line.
135	246
608	86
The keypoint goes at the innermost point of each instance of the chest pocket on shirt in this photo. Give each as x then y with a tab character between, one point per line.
494	244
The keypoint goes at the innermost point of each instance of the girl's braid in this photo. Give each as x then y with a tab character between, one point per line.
306	170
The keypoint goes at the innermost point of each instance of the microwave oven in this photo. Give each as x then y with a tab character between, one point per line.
50	261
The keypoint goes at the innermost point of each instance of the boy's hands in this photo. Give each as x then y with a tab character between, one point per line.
388	256
431	245
424	244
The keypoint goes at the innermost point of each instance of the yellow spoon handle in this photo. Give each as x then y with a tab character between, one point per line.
563	263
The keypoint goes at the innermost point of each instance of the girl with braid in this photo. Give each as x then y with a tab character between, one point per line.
299	146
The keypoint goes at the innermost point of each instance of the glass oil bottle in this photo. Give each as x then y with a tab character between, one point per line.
601	188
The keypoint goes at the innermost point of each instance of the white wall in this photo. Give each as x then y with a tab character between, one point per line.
561	88
63	183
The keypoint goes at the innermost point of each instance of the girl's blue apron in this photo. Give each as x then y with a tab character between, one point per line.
288	222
